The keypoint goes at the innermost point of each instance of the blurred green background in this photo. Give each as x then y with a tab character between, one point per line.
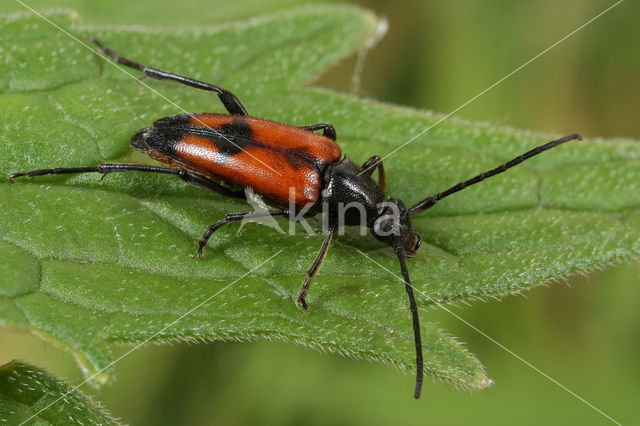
584	333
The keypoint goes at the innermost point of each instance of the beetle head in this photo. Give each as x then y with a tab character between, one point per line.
393	225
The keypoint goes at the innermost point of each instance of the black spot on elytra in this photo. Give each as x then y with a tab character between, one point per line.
228	140
162	136
298	157
234	137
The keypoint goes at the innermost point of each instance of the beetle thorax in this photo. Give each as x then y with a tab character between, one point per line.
353	198
350	197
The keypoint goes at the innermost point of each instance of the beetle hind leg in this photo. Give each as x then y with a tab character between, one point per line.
107	168
228	99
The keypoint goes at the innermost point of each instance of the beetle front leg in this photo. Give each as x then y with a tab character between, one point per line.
371	165
314	269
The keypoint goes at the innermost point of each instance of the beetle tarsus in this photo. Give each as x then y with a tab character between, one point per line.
302	301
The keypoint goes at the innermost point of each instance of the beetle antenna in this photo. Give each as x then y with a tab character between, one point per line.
433	199
416	320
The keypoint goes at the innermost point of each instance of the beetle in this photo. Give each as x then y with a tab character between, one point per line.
294	168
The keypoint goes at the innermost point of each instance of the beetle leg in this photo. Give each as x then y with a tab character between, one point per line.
314	268
234	217
371	165
228	99
327	129
106	168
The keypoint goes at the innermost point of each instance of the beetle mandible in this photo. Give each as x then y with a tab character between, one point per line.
289	166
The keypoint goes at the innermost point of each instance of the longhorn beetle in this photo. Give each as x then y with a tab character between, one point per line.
289	166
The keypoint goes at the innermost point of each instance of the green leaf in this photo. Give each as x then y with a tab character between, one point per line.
91	263
31	395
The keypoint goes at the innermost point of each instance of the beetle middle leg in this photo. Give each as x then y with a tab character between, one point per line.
234	217
327	129
228	99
